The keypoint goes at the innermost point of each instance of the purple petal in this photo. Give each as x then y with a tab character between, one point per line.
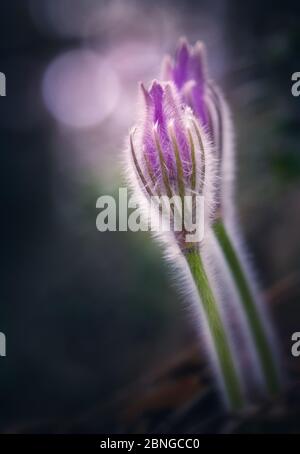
199	105
180	72
175	116
147	140
156	93
190	66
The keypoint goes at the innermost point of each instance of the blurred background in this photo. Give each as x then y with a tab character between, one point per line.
98	339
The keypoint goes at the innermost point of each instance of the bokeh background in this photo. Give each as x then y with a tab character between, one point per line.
98	339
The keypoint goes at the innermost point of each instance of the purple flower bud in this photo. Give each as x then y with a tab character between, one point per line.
170	156
168	147
189	73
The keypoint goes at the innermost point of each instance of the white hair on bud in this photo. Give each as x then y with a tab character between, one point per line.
227	156
206	173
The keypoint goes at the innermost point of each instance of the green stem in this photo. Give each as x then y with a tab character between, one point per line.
216	329
255	323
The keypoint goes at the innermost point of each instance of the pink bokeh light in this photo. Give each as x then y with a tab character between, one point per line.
80	89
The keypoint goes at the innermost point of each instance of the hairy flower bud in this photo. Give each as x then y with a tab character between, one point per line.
189	73
169	149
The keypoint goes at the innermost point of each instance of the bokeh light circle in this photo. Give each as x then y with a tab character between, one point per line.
80	89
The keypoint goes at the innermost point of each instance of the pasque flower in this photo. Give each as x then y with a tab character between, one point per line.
170	154
170	151
189	73
163	144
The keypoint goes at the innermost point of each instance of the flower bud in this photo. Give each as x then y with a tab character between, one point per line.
169	149
189	73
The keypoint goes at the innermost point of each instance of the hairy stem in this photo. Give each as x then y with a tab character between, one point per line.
254	319
216	328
